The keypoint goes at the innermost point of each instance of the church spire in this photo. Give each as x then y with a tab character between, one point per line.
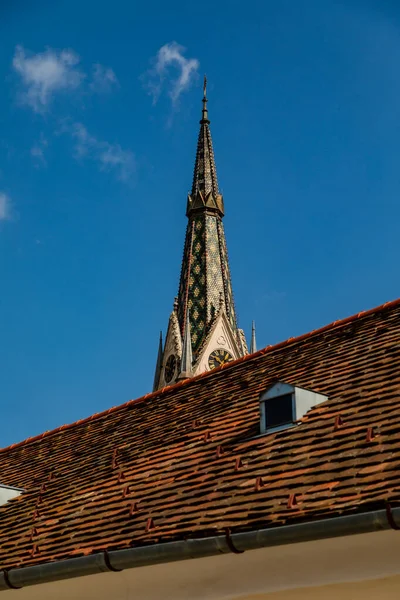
205	272
205	192
205	316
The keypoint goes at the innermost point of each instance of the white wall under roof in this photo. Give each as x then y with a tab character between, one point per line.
358	567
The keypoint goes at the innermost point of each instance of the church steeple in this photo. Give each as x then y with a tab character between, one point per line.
205	300
205	191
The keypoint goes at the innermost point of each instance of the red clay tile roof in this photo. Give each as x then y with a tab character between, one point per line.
185	461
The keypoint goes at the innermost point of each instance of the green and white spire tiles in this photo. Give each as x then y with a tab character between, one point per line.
205	288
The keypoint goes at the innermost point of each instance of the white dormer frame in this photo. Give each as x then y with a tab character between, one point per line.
7	492
302	401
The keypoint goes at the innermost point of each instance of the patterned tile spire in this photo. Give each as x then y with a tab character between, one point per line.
205	275
202	329
205	192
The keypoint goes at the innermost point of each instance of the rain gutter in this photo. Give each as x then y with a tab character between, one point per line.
118	560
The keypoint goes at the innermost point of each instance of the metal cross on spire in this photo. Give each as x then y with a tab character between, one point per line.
205	111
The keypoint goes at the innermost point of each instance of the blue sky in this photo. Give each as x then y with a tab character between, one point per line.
98	129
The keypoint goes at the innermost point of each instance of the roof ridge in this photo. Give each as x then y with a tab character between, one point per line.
338	323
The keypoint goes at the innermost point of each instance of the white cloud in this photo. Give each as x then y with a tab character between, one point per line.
173	70
45	74
38	154
112	156
103	79
109	157
84	142
37	151
5	206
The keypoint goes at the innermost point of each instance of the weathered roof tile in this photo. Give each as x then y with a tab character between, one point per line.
185	461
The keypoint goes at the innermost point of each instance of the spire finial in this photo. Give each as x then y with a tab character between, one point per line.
159	363
185	370
205	111
205	193
253	344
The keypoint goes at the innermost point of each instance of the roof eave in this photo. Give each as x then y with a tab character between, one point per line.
118	560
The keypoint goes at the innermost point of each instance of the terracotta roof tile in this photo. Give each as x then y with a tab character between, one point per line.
185	461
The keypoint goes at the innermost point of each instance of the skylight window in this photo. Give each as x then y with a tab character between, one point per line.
283	405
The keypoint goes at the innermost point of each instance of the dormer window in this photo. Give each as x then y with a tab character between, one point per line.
279	411
283	405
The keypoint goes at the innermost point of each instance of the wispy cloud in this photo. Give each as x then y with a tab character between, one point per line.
5	206
103	79
37	151
45	74
109	157
171	71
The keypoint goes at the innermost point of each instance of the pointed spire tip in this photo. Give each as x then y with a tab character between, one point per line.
187	357
157	371
204	118
253	344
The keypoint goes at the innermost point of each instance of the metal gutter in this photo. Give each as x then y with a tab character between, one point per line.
118	560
